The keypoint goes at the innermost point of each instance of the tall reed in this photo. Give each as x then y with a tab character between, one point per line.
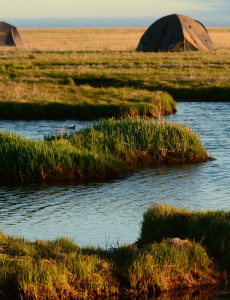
24	159
106	149
132	137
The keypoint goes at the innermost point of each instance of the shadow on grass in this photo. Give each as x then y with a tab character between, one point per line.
195	93
58	111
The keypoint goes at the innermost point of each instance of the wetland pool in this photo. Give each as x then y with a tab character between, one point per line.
108	213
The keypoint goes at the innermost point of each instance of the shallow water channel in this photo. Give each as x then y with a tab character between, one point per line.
108	213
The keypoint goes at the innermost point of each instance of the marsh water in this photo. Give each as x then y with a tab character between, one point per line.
211	293
108	213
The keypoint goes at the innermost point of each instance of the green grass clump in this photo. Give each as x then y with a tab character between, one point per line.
140	140
211	229
168	267
24	159
60	269
106	150
52	270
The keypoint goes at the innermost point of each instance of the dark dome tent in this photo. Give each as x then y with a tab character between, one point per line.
175	33
9	36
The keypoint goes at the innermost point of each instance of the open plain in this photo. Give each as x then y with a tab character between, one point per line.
93	73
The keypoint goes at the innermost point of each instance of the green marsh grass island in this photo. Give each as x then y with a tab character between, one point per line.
177	250
107	149
84	103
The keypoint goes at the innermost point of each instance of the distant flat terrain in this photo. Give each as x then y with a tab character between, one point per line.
113	39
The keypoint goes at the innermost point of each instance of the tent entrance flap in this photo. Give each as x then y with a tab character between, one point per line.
12	34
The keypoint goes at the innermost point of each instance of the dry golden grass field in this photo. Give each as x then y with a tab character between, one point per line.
92	39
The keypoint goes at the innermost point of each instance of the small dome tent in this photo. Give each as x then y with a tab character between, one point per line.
175	33
9	36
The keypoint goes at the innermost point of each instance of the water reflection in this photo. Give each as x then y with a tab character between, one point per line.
207	293
102	212
36	129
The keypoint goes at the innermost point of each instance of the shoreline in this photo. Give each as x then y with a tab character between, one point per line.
60	269
83	111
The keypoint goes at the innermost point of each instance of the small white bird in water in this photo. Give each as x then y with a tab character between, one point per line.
72	127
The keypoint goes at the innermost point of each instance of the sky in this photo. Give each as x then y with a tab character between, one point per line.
124	13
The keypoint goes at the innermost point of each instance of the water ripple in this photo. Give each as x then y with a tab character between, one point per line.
111	211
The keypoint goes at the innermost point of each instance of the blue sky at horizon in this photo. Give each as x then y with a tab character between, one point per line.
211	12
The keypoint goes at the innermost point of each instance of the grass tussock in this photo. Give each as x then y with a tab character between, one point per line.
107	149
24	159
59	269
141	140
211	229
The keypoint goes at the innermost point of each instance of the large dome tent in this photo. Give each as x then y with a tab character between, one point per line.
175	33
9	35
